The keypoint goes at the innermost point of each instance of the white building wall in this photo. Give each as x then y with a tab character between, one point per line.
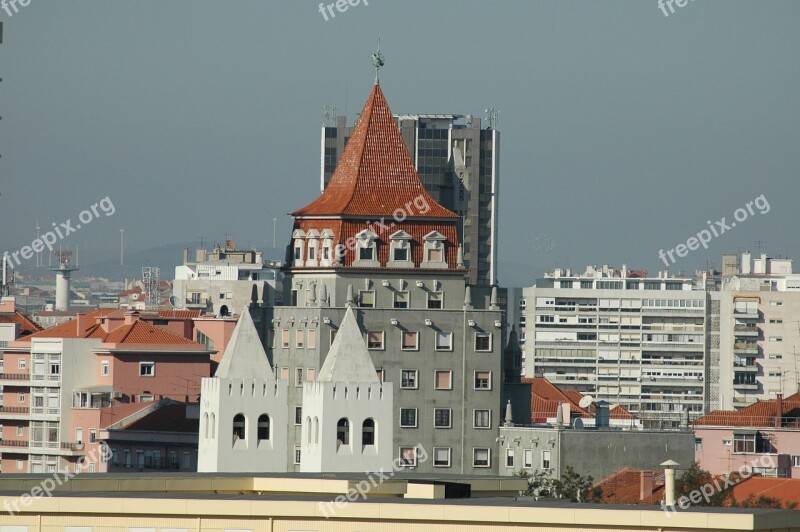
221	400
324	404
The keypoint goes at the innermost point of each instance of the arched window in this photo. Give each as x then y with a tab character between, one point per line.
368	432
238	427
343	431
213	424
205	425
308	430
263	427
316	430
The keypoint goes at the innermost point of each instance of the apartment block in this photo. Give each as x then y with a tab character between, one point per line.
620	336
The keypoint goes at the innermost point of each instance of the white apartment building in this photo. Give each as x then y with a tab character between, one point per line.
223	280
620	336
758	302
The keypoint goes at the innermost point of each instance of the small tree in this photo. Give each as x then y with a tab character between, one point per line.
694	478
573	486
540	483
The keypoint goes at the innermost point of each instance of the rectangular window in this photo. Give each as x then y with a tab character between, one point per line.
381	374
299	338
55	368
443	379
444	341
483	341
20	430
408	418
435	255
298	415
366	299
510	457
312	253
375	340
401	300
744	443
311	374
147	369
527	460
285	374
482	419
483	380
21	364
312	338
795	461
410	340
408	456
366	253
698	445
285	333
442	418
408	379
400	254
92	435
481	457
21	398
545	459
435	300
298	377
105	368
297	455
441	457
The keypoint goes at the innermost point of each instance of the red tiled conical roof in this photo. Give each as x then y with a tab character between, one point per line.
375	175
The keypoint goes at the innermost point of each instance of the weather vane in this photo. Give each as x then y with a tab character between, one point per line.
378	61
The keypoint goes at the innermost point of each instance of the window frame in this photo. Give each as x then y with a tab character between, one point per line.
430	298
382	344
145	364
403	372
416	418
483	335
488	463
437	346
449	457
475	424
449	411
488	387
403	338
435	380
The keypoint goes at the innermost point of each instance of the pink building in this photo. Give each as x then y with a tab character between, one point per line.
61	386
762	438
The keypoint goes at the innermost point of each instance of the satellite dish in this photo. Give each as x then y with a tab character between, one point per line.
173	301
586	401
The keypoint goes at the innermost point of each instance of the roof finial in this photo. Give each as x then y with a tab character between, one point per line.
378	61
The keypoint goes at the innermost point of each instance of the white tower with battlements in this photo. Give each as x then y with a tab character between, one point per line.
347	411
244	414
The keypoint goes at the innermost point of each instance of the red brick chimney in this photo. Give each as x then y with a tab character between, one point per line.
646	485
779	410
80	323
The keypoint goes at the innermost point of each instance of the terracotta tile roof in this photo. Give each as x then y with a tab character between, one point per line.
113	414
69	329
624	487
620	413
168	418
142	332
375	175
786	490
180	314
545	398
26	325
758	414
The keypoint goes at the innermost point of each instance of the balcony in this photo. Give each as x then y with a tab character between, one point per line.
745	330
746	313
745	347
15	379
14	410
13	445
196	303
745	385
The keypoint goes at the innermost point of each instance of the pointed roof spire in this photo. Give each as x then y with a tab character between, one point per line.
375	175
378	61
245	356
348	359
493	305
509	420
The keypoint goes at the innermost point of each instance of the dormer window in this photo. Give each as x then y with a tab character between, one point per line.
299	238
400	250
326	255
313	242
435	255
366	249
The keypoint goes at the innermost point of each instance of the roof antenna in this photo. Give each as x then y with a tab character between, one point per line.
378	61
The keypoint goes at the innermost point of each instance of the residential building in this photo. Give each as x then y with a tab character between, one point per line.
222	281
157	435
621	336
377	251
407	503
458	160
762	438
61	385
758	330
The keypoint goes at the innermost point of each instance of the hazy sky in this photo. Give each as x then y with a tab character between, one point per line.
623	131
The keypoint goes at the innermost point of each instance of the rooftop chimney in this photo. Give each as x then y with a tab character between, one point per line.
779	410
80	323
669	482
130	318
645	485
